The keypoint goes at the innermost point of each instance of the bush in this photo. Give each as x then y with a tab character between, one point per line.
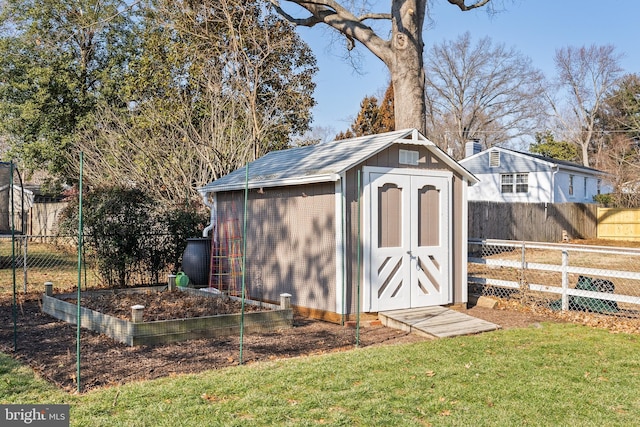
130	233
603	199
174	225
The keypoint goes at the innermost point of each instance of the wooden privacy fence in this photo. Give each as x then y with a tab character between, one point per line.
619	224
540	222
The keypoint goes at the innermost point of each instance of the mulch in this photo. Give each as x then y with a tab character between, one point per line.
48	345
165	305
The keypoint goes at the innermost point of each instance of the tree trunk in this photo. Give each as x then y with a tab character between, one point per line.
406	64
585	153
402	54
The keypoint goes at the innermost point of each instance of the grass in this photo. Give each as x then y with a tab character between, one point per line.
576	258
555	374
46	263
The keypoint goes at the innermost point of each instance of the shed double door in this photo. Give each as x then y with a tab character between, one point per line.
408	252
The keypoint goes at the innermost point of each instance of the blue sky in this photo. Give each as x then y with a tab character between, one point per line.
536	28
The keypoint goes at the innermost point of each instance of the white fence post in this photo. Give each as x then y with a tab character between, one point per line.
565	280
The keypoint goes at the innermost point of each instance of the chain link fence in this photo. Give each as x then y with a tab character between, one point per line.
38	259
41	259
564	278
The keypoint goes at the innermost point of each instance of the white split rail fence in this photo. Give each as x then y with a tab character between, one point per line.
500	253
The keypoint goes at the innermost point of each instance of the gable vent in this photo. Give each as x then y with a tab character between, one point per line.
408	157
494	159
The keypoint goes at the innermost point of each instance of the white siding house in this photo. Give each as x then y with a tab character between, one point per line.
512	176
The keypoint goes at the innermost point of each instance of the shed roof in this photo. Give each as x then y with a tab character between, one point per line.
323	162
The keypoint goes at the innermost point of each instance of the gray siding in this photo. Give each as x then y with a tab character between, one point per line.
290	243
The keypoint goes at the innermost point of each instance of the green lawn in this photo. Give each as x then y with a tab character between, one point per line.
557	374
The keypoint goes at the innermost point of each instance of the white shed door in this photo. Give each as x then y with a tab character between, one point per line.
408	263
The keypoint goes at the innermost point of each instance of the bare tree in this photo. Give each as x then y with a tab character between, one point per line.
621	160
586	74
219	83
482	92
168	157
402	52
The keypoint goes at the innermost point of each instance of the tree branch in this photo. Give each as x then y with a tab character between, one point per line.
304	22
463	7
333	14
382	16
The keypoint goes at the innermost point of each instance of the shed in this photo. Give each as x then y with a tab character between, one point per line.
368	224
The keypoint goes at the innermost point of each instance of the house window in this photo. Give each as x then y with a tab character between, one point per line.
584	187
514	183
599	184
408	157
506	183
522	183
494	159
571	184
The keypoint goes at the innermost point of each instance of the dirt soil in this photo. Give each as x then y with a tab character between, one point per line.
161	305
49	345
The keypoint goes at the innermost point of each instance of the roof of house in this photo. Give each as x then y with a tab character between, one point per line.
549	161
323	162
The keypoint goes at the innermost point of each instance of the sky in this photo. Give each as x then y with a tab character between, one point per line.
535	28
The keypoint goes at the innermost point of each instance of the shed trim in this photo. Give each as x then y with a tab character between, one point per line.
340	247
314	179
464	238
367	297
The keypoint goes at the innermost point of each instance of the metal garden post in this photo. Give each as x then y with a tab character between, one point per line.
25	242
358	262
13	261
523	267
244	258
79	319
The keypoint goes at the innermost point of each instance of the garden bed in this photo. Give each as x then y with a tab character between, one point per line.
167	316
48	346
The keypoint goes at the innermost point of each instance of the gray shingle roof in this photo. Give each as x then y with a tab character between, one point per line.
321	162
550	161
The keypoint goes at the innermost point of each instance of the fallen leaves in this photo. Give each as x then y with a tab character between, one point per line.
209	397
165	305
623	322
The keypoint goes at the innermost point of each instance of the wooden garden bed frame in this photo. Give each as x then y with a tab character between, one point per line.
167	331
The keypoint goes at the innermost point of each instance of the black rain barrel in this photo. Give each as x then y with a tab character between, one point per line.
196	260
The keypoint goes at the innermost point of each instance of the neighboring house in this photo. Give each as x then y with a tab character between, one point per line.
371	223
42	218
512	176
23	200
31	213
34	214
